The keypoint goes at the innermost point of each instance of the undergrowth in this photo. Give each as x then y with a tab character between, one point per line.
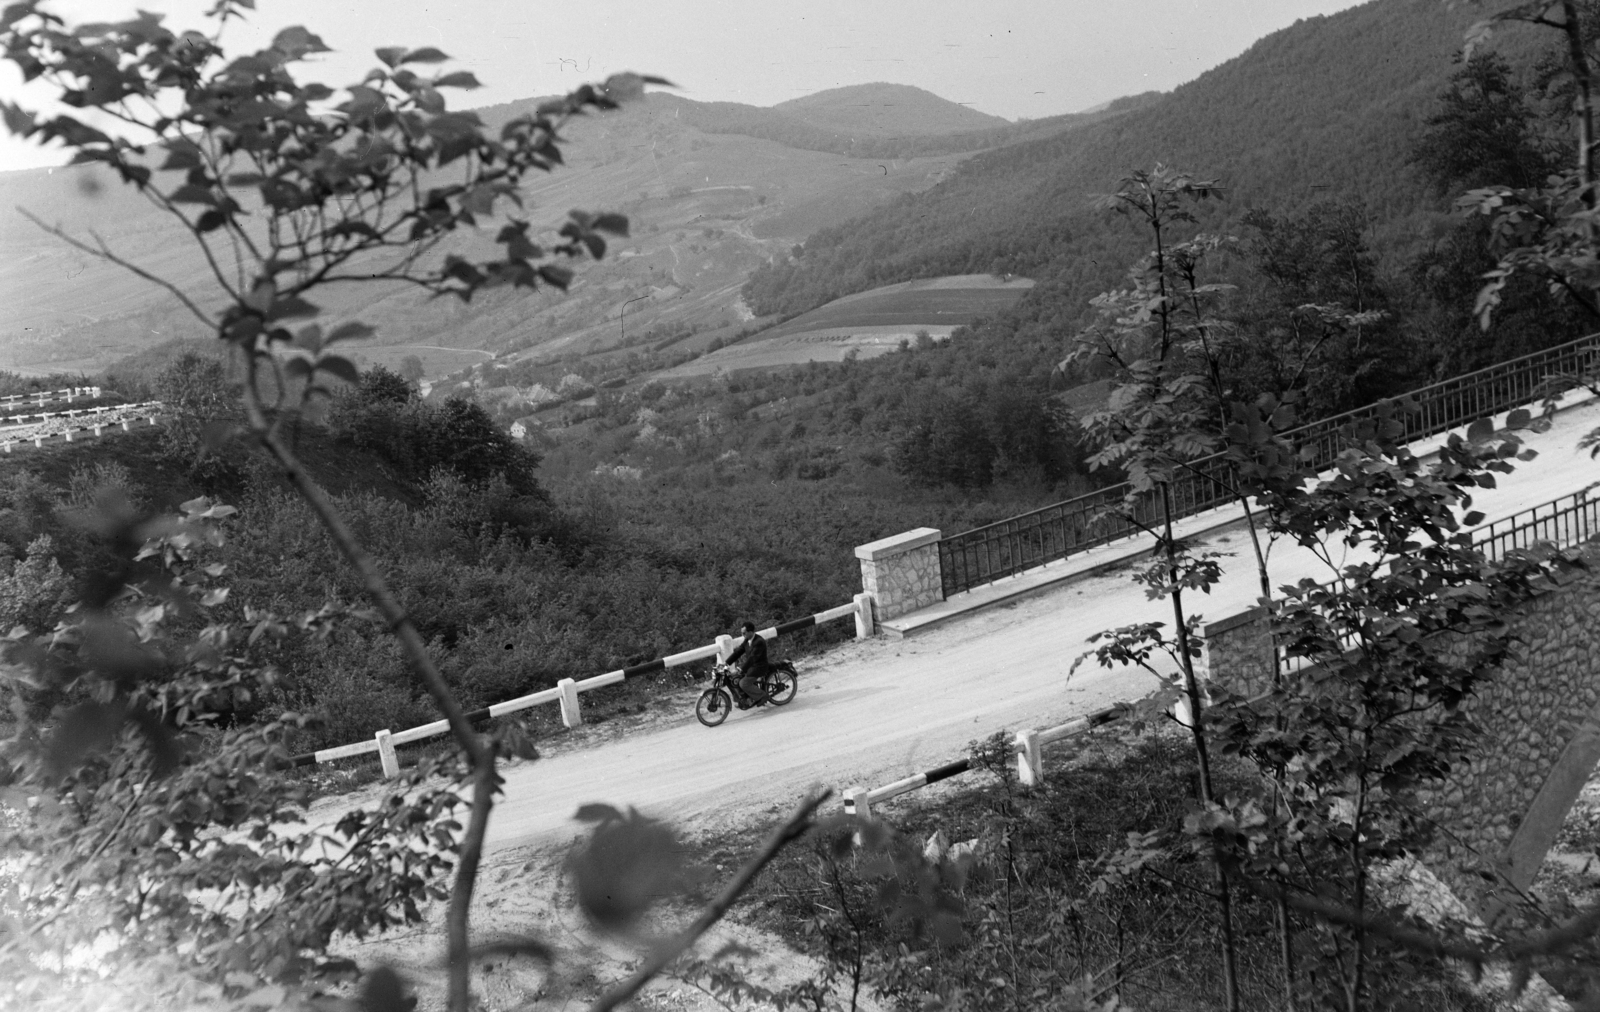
1040	924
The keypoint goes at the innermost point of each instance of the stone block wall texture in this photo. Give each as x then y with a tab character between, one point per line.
1239	652
1499	811
902	572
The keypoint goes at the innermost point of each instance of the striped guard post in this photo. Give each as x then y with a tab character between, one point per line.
860	803
1087	722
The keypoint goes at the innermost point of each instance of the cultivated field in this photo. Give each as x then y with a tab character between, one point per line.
869	323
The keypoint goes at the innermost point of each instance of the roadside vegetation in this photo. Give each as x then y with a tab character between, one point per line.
307	552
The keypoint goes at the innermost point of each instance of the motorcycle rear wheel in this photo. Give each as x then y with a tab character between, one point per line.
784	686
712	707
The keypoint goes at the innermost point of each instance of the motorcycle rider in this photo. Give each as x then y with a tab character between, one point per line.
751	656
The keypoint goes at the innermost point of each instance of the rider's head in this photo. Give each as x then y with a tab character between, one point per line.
748	629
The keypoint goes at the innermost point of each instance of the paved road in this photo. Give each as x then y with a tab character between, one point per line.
872	712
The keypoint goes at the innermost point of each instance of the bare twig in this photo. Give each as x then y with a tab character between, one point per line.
104	253
1552	941
798	822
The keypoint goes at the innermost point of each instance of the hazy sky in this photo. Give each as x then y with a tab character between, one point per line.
1010	58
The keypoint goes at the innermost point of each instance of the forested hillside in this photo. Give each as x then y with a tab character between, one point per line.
1328	108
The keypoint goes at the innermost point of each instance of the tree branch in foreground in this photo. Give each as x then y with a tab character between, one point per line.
1550	942
798	822
480	754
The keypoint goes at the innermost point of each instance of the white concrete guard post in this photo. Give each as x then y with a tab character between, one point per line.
864	624
1182	712
724	648
571	716
901	573
1030	761
391	762
855	803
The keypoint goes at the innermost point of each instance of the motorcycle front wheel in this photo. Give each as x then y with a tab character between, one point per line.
784	686
712	707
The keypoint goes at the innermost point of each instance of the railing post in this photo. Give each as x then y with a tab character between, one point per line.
864	624
724	647
391	762
856	804
571	714
1030	760
1182	712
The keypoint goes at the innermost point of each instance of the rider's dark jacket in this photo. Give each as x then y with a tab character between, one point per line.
751	656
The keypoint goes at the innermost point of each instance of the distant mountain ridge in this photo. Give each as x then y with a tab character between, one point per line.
1325	108
713	191
887	110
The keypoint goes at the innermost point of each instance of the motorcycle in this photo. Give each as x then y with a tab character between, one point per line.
714	704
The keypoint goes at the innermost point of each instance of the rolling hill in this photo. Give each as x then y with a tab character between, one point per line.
882	184
886	110
713	191
1326	108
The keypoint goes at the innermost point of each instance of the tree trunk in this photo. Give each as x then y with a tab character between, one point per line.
1230	971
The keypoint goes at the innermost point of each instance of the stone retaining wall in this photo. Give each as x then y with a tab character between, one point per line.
1500	811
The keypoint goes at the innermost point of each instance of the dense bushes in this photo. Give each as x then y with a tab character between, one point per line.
638	570
384	415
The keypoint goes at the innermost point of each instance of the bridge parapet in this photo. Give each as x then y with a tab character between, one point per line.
901	572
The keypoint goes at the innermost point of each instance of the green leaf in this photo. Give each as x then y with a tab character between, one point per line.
459	79
427	54
262	295
188	193
616	224
338	365
290	308
163	745
384	991
391	55
480	199
86	728
1480	430
309	338
352	331
360	228
519	248
623	867
18	120
455	126
560	277
295	42
211	221
1519	418
624	87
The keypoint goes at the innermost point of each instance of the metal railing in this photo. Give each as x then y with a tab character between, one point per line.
1570	520
1565	522
1007	547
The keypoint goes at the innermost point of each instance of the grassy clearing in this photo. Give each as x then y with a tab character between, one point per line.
944	306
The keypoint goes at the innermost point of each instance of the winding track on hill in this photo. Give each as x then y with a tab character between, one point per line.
873	711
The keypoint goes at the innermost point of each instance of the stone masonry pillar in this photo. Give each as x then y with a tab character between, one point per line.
901	572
